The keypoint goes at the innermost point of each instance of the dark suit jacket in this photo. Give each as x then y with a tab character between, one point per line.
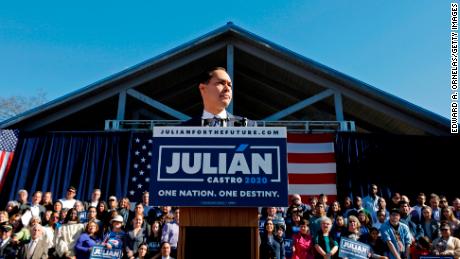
41	250
9	250
233	121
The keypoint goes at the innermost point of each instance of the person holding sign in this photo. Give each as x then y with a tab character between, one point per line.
216	91
115	239
325	245
87	240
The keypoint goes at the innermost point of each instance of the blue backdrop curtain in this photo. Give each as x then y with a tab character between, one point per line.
54	161
397	163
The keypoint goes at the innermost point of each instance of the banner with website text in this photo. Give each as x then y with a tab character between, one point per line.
237	167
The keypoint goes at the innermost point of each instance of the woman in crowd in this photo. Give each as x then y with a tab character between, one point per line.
142	251
92	216
334	211
68	233
338	228
353	228
102	213
293	225
12	208
365	222
154	239
63	214
57	207
87	240
446	245
115	237
325	245
302	242
47	201
136	236
270	247
429	225
3	217
448	215
125	211
347	206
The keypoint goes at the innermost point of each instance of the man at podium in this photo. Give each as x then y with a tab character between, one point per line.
216	91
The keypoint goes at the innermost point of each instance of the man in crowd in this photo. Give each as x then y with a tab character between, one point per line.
69	201
396	236
37	248
8	249
416	213
95	196
36	209
456	207
22	200
145	203
370	202
434	204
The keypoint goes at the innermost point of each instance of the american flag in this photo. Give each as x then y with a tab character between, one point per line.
311	165
141	158
8	141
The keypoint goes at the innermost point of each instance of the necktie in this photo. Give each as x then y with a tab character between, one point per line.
214	122
30	252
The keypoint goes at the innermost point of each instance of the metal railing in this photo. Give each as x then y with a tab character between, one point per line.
292	126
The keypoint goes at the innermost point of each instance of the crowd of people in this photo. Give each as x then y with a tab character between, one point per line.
393	229
69	228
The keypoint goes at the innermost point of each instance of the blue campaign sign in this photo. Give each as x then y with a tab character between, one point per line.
100	251
206	166
353	249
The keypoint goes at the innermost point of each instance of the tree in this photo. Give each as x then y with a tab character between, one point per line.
14	105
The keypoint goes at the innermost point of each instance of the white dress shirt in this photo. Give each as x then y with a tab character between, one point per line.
222	115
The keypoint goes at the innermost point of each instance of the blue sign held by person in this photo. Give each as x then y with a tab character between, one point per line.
233	166
353	249
101	252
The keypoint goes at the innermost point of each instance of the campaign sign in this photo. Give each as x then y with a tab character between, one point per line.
210	166
353	249
99	251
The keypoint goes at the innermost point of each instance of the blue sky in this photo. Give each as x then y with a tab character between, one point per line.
401	47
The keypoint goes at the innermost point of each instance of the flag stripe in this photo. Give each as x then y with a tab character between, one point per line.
310	138
311	165
313	189
311	158
8	141
3	162
312	178
316	168
310	148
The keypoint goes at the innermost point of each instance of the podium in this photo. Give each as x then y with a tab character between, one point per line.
219	177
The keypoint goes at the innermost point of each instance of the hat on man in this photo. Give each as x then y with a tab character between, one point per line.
113	198
6	228
117	218
72	188
395	210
